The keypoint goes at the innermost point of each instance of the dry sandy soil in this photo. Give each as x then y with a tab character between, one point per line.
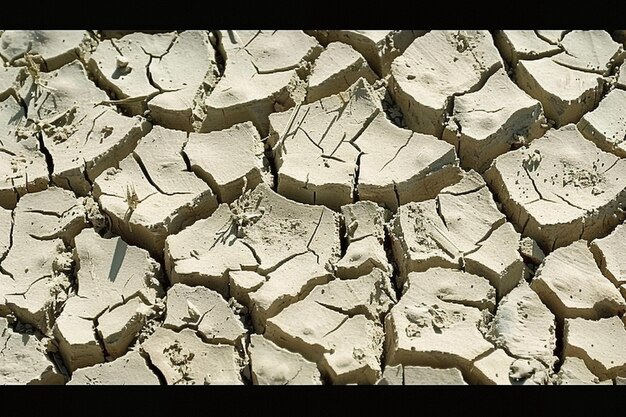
312	207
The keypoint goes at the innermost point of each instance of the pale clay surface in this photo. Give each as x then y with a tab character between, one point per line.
293	207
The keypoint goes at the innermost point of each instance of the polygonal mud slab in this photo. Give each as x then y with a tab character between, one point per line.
261	76
230	160
273	365
379	47
152	193
204	310
575	372
168	73
337	68
610	254
130	369
23	359
36	271
82	136
566	94
561	188
245	237
441	231
436	67
590	51
365	234
23	166
499	368
606	125
338	325
314	149
346	348
524	326
183	358
492	121
599	343
322	150
523	44
570	283
51	48
118	290
421	375
497	258
370	295
438	308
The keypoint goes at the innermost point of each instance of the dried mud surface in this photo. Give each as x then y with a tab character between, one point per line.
312	207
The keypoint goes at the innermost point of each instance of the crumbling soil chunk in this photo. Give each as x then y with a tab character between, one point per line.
365	234
561	188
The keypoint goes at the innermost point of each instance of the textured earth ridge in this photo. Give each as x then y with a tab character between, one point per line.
287	207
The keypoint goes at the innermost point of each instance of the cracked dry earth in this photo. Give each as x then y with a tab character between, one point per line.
313	207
